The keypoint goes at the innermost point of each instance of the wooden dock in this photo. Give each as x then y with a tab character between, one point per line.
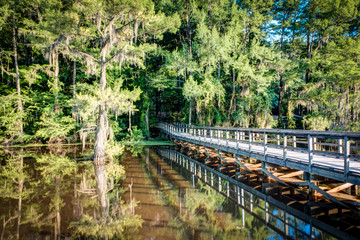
333	155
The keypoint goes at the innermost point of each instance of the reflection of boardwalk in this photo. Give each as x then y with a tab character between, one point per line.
301	150
289	222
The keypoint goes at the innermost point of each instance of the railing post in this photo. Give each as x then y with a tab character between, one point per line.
218	133
310	151
227	138
220	184
294	141
227	189
237	139
278	139
346	157
340	143
211	136
265	145
250	140
284	147
242	197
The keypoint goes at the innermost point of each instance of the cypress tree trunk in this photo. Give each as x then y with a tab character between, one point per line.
309	56
147	120
56	78
17	77
130	112
190	110
281	94
100	138
73	113
232	100
189	28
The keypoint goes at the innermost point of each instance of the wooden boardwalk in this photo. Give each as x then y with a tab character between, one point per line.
332	155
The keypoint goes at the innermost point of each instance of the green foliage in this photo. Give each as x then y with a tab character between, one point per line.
54	127
10	117
134	136
234	63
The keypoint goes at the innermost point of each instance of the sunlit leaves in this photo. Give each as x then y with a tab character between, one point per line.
54	127
117	100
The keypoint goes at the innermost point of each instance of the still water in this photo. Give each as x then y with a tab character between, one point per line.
56	194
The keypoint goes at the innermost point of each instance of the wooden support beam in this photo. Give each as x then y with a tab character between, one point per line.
340	188
345	196
293	174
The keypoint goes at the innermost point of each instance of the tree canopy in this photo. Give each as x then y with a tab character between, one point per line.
109	69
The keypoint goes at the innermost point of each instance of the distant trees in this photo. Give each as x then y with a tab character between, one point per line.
287	64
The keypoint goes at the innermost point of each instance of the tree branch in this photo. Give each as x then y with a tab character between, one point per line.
83	54
111	59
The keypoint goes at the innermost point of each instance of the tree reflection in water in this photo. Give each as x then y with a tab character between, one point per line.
54	196
112	218
12	178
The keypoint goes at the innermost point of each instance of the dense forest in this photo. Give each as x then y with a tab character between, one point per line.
71	69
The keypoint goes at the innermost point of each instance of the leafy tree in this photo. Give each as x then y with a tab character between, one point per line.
115	29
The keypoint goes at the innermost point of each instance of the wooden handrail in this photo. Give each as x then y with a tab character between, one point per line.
288	142
321	134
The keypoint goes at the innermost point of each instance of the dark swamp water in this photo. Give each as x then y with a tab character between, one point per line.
46	194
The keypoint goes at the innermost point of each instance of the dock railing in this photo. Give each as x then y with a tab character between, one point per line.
337	145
